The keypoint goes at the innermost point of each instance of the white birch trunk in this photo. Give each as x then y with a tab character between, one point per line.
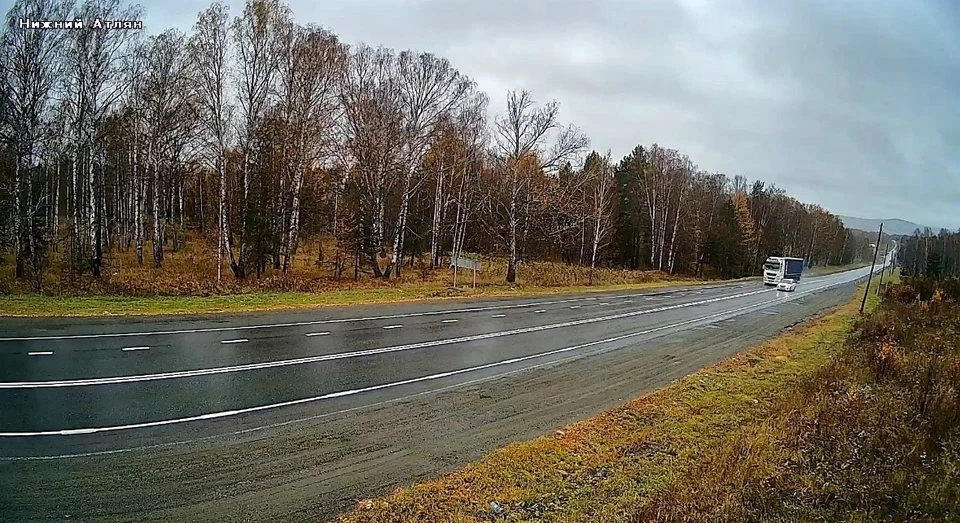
435	225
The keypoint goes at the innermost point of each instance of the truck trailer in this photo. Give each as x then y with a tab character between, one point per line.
778	268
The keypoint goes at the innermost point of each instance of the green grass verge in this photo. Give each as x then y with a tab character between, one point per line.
614	466
34	305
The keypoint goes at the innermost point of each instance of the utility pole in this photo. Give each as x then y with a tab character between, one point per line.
872	266
882	269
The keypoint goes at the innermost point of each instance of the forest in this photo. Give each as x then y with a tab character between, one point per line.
252	136
935	256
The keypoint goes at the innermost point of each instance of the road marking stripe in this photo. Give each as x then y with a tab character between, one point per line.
41	353
324	333
238	340
300	323
368	352
128	349
449	321
541	311
499	316
368	318
574	306
353	392
388	327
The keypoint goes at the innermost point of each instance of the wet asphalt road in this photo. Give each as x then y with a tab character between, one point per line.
82	391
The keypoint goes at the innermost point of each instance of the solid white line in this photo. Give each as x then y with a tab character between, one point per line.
388	327
40	353
499	316
368	352
449	321
238	340
324	333
127	349
353	392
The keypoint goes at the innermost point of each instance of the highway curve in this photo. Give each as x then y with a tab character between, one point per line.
283	416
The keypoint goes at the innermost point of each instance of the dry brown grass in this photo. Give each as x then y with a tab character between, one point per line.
187	283
619	465
872	436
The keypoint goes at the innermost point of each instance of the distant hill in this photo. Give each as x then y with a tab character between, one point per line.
892	226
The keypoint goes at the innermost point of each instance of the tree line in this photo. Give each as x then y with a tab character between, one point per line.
261	131
935	256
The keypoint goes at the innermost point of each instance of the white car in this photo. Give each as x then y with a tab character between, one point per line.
787	285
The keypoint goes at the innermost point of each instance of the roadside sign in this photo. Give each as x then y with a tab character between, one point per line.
464	263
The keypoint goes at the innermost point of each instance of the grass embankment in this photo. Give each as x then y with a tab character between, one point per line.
187	284
839	419
824	270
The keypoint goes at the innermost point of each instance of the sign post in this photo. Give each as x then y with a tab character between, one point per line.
465	263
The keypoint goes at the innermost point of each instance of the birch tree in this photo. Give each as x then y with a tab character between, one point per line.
97	56
524	134
256	43
601	206
168	113
374	139
29	68
430	88
209	53
310	77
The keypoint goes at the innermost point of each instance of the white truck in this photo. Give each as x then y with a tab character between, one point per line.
778	268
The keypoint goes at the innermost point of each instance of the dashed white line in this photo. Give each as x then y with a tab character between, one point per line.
396	348
41	353
388	327
574	306
324	333
604	303
498	316
449	321
296	323
541	311
129	349
629	301
238	340
353	392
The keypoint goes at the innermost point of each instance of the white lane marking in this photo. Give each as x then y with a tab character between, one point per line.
713	326
353	392
449	321
128	349
324	333
298	323
604	303
41	353
574	306
368	352
629	301
541	311
499	316
772	313
388	327
238	340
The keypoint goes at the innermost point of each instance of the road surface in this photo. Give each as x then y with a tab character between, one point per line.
294	415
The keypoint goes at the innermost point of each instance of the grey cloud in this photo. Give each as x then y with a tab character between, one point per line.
852	105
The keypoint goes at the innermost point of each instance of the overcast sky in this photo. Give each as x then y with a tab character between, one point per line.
852	104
